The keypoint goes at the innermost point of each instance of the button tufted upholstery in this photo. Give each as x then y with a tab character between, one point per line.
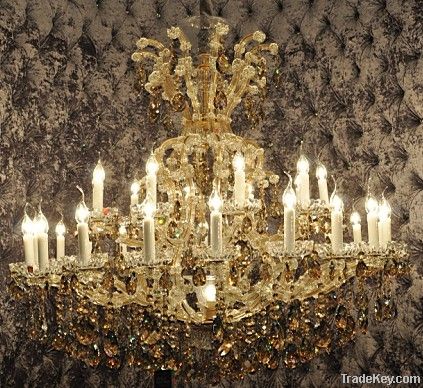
349	83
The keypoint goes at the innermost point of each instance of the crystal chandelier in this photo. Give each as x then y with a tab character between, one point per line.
215	274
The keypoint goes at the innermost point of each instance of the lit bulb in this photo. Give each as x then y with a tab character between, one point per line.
215	202
321	172
151	167
238	162
209	289
98	174
289	198
122	230
28	226
60	228
336	203
303	165
371	204
355	218
384	210
149	208
41	223
82	214
135	187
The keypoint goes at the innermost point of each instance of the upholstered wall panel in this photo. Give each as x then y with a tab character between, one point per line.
349	83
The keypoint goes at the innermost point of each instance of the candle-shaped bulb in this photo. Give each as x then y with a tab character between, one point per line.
27	224
82	213
98	174
321	172
355	218
149	208
41	223
289	198
215	202
336	203
303	165
151	167
384	210
60	228
135	187
371	204
238	162
209	289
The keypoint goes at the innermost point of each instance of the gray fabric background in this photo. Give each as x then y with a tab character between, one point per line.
350	86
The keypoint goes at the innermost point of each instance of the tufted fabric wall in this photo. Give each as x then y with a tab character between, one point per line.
349	84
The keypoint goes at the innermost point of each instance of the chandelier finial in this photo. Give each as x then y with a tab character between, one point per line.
214	86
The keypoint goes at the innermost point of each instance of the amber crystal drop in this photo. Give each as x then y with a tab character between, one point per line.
111	347
362	318
198	277
289	275
225	348
85	332
361	269
165	281
233	274
113	363
108	281
178	102
314	269
247	225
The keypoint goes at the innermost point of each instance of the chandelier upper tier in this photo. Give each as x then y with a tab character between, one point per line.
215	259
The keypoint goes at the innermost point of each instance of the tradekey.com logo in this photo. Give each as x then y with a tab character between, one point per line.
377	378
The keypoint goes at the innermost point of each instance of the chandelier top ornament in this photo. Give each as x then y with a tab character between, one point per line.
215	272
207	92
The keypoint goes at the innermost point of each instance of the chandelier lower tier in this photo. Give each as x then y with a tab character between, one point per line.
215	274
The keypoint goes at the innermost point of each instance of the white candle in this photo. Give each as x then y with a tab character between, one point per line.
356	226
303	179
41	226
321	175
151	169
384	214
60	239
149	232
238	164
82	215
28	240
289	201
216	241
123	233
372	221
135	188
337	236
98	188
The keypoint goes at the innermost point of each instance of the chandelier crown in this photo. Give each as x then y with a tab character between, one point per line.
207	92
